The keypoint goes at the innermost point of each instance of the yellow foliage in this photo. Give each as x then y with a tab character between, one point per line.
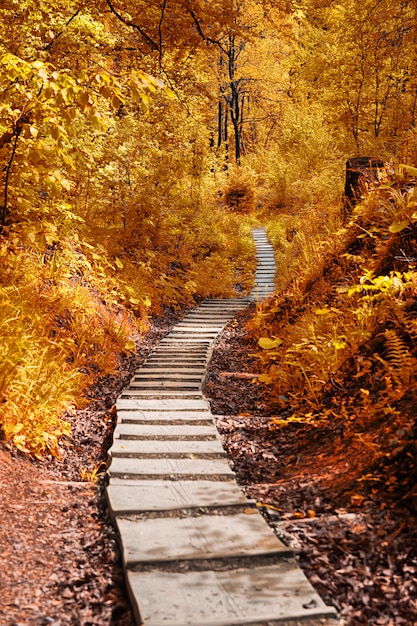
239	193
115	201
347	334
56	338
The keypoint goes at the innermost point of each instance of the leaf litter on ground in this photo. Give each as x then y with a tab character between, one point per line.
351	517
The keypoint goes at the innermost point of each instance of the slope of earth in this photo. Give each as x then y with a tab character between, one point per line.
351	515
59	559
59	564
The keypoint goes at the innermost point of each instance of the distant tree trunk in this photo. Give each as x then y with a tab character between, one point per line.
230	106
235	97
220	125
235	115
245	100
226	134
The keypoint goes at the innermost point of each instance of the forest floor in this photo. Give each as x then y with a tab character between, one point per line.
356	538
345	509
60	563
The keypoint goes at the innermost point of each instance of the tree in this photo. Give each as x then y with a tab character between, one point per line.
247	22
360	58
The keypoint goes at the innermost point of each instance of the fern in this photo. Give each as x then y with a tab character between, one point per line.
399	362
410	326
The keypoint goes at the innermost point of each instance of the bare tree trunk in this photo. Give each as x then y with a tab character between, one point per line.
220	125
226	133
6	183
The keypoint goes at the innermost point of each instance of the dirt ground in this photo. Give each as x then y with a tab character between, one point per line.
60	563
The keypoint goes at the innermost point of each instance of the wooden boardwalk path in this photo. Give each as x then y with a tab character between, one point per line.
195	549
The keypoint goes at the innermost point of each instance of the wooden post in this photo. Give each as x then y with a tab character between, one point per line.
360	172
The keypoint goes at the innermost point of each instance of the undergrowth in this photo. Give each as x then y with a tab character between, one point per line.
72	302
338	342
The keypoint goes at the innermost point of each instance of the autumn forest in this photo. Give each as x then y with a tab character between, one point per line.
140	143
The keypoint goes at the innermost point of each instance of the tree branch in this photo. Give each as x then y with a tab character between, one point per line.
67	23
164	6
200	31
140	30
17	129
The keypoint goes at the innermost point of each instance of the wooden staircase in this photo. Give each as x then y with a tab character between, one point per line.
195	549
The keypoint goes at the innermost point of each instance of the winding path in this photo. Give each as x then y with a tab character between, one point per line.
195	549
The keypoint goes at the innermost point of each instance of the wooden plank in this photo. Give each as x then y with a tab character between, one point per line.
165	404
226	598
160	468
162	431
173	373
162	495
160	394
160	383
201	537
148	417
140	448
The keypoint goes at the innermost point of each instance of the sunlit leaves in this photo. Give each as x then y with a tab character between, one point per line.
130	346
112	208
407	170
269	344
265	378
397	227
379	287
